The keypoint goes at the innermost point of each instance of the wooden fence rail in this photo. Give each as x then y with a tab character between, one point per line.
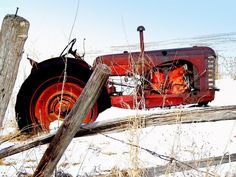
210	114
196	165
179	166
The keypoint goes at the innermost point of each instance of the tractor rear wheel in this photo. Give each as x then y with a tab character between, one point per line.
46	96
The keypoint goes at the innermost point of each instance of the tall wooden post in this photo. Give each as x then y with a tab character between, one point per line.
13	35
72	122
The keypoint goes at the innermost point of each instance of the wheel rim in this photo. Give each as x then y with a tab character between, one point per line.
54	100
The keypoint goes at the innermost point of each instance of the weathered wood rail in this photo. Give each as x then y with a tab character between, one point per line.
190	165
180	166
198	115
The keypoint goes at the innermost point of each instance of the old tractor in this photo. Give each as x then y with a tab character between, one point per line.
144	79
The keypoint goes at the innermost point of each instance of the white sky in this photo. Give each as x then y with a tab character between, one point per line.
105	24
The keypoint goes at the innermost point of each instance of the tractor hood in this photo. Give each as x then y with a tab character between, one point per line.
125	63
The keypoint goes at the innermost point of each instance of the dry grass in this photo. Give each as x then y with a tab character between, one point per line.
18	136
9	137
4	163
116	172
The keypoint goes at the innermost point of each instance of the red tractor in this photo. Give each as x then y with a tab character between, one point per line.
145	79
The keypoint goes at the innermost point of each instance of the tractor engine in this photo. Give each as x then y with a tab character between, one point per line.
166	77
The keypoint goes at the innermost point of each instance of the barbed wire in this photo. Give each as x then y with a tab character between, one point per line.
155	154
227	66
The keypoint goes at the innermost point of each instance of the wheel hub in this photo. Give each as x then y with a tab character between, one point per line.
56	101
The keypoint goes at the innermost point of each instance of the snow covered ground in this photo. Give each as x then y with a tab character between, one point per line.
92	155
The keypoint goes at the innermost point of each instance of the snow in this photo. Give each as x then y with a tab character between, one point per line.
226	95
95	154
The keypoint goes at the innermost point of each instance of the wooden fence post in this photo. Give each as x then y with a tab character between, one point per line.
72	122
13	35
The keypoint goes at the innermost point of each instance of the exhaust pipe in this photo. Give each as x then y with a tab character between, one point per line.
141	29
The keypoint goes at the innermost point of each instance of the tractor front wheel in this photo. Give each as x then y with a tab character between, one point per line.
50	92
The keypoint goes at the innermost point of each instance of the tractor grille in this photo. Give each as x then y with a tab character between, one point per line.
211	71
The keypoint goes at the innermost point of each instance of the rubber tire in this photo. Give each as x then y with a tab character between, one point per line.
203	104
44	71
